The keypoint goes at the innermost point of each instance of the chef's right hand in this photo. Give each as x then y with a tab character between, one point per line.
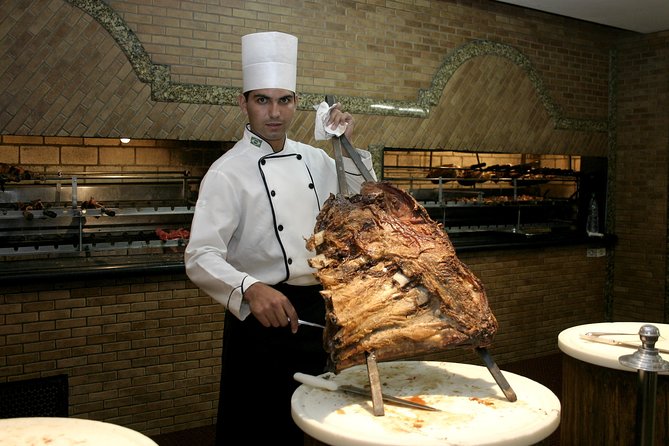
271	307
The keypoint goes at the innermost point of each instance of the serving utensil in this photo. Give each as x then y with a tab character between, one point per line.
309	324
595	336
342	142
321	383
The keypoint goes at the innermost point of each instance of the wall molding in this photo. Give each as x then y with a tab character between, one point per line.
164	90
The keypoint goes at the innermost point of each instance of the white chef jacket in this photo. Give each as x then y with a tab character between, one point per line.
255	211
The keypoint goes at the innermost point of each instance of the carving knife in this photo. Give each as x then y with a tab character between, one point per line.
309	324
321	383
596	338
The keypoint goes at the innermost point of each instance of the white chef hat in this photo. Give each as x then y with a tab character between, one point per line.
269	60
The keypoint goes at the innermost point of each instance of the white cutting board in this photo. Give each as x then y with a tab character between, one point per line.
474	411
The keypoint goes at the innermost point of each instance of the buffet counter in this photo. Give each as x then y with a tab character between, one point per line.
490	240
86	266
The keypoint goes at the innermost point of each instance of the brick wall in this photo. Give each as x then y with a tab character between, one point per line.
78	81
144	352
357	48
53	154
640	199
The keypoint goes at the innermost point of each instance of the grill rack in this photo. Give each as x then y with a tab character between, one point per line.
134	206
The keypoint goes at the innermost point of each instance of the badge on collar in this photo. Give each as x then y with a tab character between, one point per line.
256	141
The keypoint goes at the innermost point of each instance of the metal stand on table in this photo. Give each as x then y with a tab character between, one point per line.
648	362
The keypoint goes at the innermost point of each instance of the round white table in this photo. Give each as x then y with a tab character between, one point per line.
599	395
473	409
606	355
54	431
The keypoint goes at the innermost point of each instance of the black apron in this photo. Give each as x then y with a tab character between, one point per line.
257	370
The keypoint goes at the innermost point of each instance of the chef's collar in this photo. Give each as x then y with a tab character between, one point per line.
257	141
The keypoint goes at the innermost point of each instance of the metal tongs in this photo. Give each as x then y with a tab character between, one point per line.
337	143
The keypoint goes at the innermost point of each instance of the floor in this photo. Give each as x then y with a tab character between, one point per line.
546	370
199	436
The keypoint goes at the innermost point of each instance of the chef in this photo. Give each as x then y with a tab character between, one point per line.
257	205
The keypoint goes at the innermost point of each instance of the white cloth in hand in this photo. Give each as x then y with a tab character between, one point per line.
321	131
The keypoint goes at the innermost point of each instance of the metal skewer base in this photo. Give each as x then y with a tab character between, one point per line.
375	384
496	374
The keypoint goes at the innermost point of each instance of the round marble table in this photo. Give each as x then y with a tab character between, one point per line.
606	355
599	395
54	431
473	409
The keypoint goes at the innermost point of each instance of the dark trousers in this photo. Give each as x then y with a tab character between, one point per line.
257	372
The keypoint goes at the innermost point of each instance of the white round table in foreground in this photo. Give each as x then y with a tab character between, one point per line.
54	431
474	411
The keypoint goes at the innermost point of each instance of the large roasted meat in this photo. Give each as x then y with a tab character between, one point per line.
392	282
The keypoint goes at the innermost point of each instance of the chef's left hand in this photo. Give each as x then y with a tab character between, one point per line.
339	117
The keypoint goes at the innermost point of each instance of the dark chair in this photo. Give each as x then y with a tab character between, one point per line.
39	397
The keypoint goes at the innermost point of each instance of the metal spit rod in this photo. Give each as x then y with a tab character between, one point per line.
74	192
74	207
496	373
